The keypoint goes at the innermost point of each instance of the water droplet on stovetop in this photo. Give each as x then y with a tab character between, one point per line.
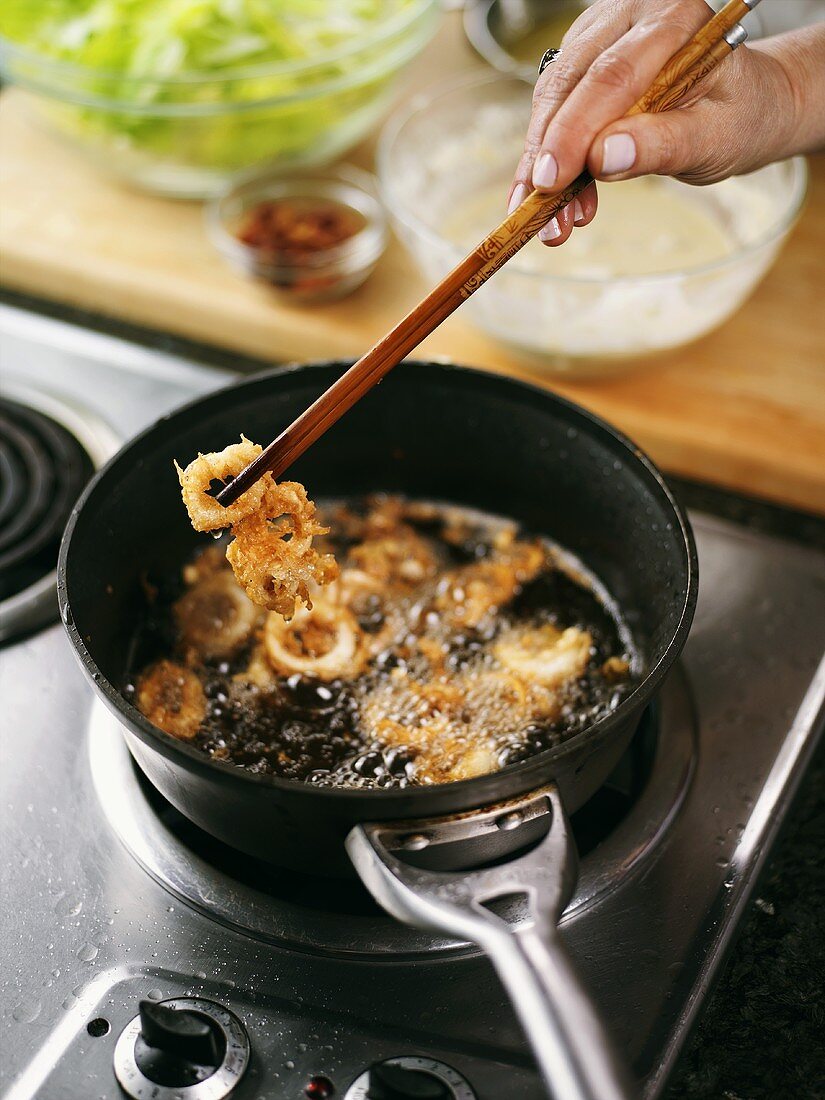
87	952
154	995
26	1012
68	906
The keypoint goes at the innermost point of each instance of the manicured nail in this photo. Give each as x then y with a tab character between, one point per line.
550	231
618	155
518	196
578	213
545	171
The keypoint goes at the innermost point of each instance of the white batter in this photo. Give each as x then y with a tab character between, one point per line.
643	227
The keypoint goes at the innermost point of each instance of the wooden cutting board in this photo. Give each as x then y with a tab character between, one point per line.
744	408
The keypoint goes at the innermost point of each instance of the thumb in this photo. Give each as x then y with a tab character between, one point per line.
693	143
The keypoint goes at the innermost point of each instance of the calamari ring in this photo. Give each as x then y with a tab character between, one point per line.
272	554
442	751
470	593
325	642
544	655
195	481
172	698
400	558
214	617
258	673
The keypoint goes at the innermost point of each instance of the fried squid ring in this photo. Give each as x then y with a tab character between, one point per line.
443	749
401	558
471	593
272	554
273	526
545	655
215	617
325	642
196	481
172	698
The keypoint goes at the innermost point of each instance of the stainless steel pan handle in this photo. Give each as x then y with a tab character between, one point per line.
572	1048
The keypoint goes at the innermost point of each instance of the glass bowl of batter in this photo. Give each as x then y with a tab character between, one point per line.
662	264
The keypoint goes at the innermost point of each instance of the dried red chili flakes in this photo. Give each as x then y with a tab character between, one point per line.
293	227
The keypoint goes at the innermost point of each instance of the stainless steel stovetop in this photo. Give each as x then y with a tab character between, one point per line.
109	898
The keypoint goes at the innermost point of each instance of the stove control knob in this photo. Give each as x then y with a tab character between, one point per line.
410	1077
183	1043
177	1046
391	1082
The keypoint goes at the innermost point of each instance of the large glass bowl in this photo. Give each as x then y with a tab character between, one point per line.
462	139
186	136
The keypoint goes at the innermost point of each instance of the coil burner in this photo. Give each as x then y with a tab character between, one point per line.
48	452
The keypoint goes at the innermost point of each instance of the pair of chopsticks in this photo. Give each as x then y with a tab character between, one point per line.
715	41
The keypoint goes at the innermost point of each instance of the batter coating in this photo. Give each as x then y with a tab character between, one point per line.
273	525
449	645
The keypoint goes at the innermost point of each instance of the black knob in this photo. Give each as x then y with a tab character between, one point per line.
391	1082
177	1047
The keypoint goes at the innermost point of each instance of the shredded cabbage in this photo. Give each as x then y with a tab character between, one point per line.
165	39
202	82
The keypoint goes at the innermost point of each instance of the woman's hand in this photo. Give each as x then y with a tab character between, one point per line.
761	104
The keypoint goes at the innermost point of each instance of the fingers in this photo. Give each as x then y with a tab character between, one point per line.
558	229
597	28
612	83
720	134
670	144
576	214
585	206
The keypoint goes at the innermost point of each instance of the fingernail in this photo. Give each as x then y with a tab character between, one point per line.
578	213
550	231
619	154
517	198
545	171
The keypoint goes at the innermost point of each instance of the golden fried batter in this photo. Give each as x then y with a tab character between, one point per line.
171	697
471	593
272	554
214	618
273	526
325	642
402	558
196	481
427	671
544	654
456	726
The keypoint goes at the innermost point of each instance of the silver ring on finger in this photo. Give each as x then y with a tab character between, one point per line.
548	57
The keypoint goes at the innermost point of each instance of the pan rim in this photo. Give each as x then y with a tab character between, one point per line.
172	748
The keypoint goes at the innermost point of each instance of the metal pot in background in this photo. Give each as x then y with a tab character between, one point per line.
512	35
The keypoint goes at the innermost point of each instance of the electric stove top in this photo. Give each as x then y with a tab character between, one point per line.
111	898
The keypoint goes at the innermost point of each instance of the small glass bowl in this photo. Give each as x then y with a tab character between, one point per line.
318	276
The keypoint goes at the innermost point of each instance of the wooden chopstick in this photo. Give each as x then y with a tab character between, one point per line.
709	39
705	50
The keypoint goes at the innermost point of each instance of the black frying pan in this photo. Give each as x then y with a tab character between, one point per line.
430	431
